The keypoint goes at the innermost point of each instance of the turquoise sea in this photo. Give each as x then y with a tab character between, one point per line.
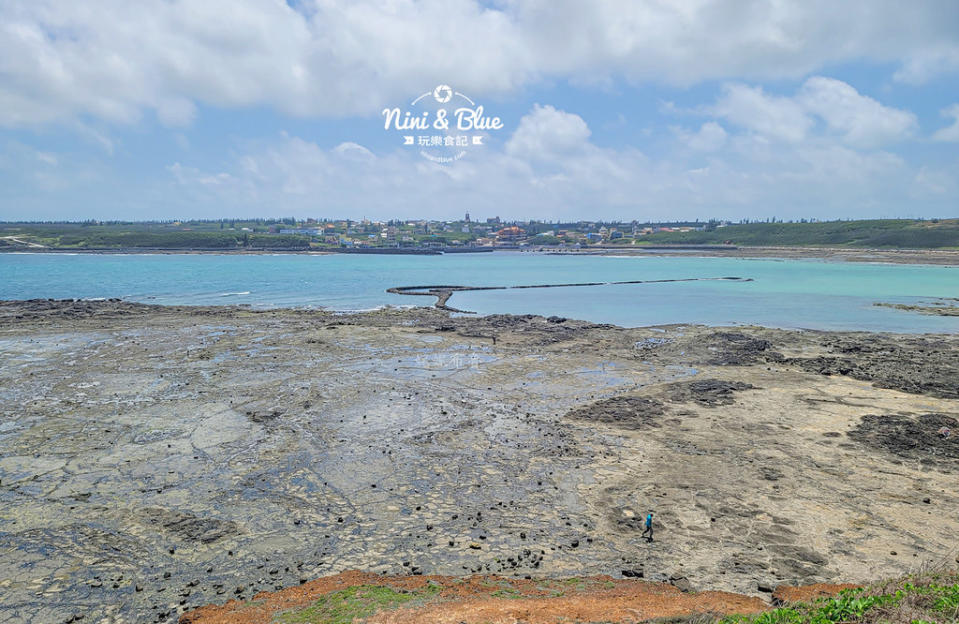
785	293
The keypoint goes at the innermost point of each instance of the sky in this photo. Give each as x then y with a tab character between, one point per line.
610	109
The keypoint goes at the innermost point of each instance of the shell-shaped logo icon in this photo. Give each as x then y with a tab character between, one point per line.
443	94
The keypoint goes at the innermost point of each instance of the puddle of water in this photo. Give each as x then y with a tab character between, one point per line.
608	374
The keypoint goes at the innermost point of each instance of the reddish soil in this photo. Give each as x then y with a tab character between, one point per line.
494	600
808	593
630	603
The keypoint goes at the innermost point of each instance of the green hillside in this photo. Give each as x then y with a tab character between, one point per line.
886	233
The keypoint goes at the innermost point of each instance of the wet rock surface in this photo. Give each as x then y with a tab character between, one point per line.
153	459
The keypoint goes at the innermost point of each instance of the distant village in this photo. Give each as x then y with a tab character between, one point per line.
426	236
489	233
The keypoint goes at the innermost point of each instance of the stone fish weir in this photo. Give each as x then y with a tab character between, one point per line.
444	292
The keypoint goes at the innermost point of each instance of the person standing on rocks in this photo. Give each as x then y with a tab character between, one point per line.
649	527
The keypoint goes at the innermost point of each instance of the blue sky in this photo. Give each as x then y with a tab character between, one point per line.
611	109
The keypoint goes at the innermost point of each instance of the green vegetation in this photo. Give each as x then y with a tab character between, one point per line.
929	599
348	605
229	234
289	234
510	594
175	235
895	233
544	239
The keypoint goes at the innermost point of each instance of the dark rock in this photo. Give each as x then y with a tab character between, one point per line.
707	392
188	526
266	416
916	365
681	583
626	412
911	437
770	474
736	349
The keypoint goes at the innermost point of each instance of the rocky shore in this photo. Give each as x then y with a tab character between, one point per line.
155	459
941	307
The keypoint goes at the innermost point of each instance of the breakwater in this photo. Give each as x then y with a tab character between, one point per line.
444	292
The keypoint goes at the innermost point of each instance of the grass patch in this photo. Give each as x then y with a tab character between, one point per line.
925	599
511	594
347	605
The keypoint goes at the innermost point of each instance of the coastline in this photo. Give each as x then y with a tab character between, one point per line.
193	455
948	257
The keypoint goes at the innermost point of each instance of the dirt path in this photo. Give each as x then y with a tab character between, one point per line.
26	243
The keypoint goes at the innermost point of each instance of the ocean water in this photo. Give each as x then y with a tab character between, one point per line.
784	293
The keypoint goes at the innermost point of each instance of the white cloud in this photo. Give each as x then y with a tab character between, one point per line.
860	120
770	155
928	63
743	175
949	133
931	181
354	151
94	136
175	111
113	59
191	175
546	132
28	173
770	115
710	137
